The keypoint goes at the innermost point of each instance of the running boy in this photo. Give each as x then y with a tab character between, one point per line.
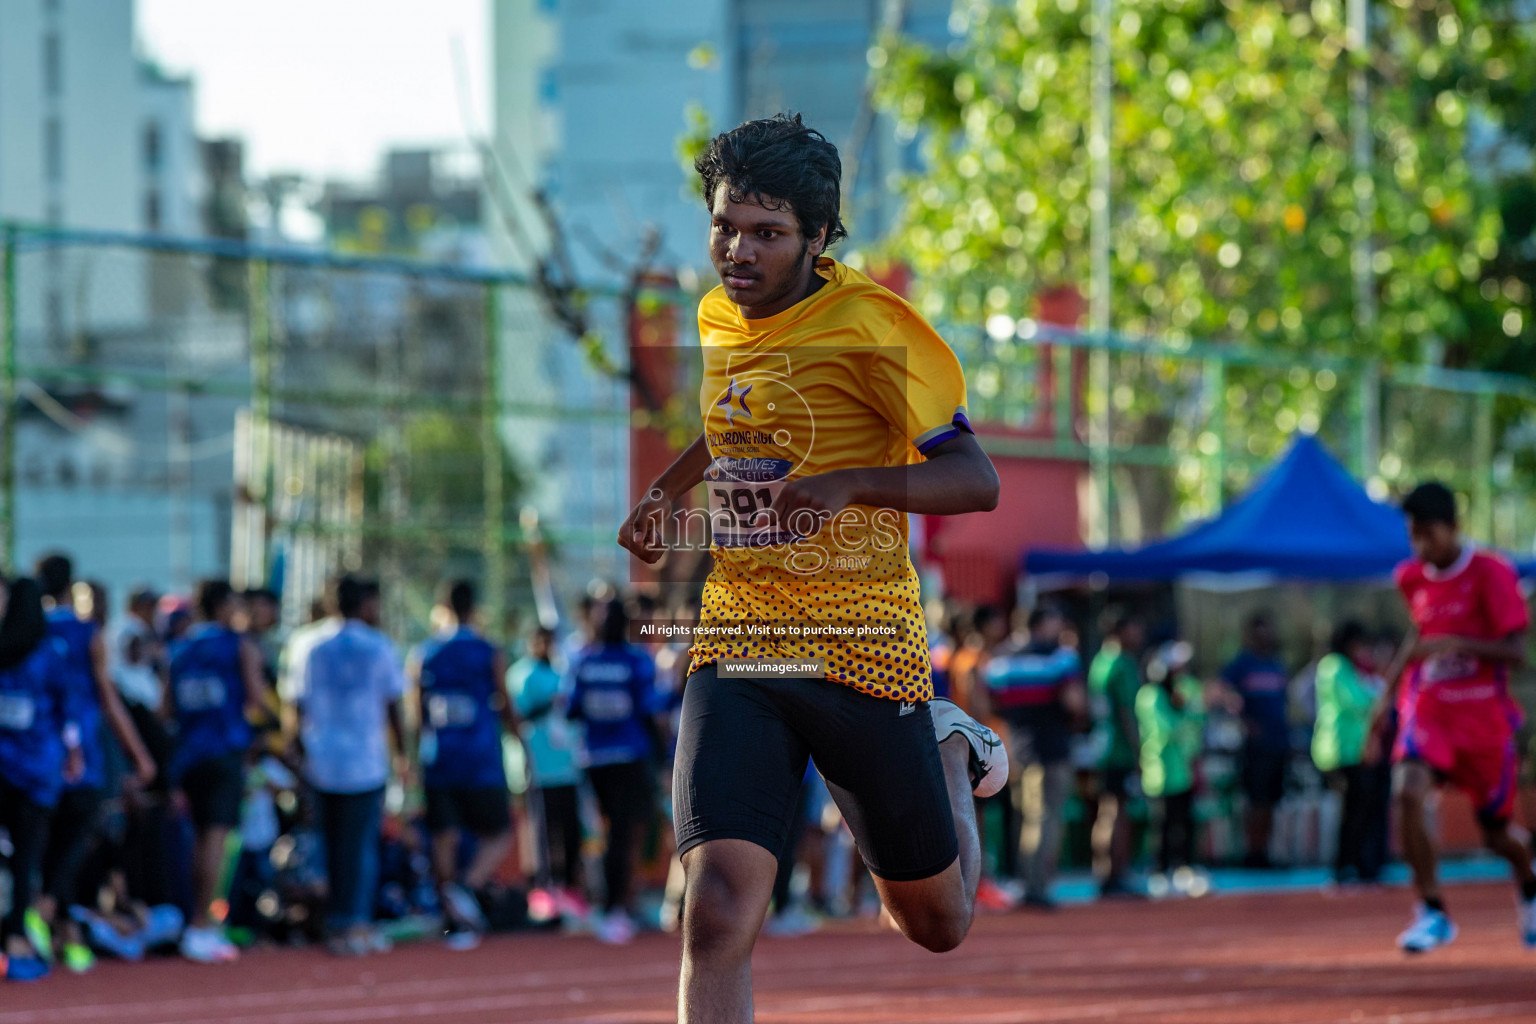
1457	717
825	397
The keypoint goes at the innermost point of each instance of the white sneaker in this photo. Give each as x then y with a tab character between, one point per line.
207	946
791	924
1430	930
1527	918
989	760
615	929
464	907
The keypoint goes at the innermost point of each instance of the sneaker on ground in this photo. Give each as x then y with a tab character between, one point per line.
992	896
377	942
1430	929
615	928
461	940
989	761
791	924
23	968
207	946
78	958
1527	909
464	908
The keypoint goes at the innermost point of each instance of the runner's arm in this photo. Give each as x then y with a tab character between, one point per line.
504	706
955	477
642	532
1509	650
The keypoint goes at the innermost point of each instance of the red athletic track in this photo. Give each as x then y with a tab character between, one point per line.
1296	959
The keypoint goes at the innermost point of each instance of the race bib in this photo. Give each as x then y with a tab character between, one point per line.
451	710
605	705
741	496
17	711
199	693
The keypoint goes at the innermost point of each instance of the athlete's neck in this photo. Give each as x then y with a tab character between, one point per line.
1452	557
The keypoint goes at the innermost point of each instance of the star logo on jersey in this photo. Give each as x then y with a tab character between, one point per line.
732	395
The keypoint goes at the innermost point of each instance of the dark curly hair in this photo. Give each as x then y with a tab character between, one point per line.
781	163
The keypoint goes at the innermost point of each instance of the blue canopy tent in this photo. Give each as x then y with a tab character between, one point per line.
1306	519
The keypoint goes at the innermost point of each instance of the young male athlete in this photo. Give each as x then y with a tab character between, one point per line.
1457	719
831	409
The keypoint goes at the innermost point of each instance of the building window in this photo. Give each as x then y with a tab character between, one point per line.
151	146
152	210
53	150
53	65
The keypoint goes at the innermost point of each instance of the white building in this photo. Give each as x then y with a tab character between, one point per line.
133	482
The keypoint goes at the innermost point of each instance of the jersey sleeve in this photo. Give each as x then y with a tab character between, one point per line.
917	385
1502	603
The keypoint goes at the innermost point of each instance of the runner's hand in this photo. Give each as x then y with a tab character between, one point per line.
821	496
642	533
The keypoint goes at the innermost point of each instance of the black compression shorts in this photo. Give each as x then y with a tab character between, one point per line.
741	757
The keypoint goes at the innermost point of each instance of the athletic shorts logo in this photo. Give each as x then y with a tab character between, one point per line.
907	707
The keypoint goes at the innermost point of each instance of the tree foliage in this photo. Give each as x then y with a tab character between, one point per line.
1233	200
1233	196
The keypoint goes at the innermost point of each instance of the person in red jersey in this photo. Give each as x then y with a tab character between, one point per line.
1456	717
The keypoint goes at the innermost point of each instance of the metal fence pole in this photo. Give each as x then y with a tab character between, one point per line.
8	403
495	484
259	288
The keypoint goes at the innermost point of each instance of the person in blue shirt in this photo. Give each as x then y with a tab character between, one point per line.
463	709
1259	679
39	751
215	681
93	701
614	694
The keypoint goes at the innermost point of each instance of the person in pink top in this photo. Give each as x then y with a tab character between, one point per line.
1456	718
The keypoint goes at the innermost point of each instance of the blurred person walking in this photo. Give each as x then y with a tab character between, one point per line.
1114	680
554	764
1035	684
39	752
1170	714
93	702
347	693
1258	678
463	708
216	690
614	694
1347	691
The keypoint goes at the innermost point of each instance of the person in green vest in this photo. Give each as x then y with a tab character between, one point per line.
1171	715
1347	691
1113	679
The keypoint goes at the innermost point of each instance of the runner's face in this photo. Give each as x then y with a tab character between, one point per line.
763	260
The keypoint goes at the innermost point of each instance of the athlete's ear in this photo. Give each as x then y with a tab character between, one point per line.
818	242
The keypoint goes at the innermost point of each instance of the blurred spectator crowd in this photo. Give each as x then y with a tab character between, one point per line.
184	775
